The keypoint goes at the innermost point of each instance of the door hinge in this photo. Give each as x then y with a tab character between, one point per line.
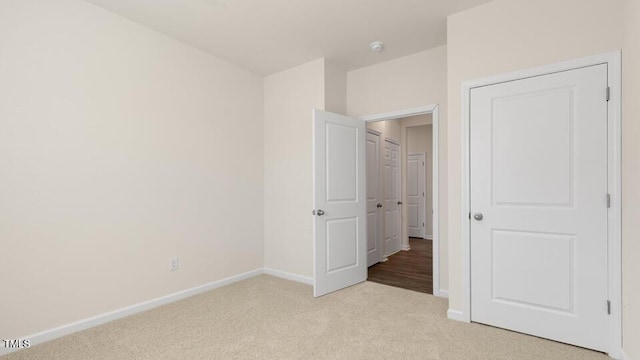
469	216
423	163
609	307
608	93
422	224
608	201
313	212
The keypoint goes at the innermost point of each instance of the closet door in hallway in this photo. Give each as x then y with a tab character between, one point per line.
416	200
392	203
374	201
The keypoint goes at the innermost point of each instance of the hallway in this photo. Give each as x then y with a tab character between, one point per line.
412	270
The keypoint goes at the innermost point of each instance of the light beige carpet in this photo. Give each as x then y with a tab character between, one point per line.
270	318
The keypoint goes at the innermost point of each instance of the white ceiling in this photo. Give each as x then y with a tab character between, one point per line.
267	36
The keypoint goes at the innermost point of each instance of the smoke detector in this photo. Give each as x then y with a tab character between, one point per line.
376	46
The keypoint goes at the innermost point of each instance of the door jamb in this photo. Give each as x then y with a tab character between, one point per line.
613	62
434	111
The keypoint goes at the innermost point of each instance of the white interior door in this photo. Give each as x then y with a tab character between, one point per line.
392	204
539	178
374	204
340	245
416	201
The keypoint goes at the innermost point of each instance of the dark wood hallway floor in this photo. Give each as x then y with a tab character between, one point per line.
412	270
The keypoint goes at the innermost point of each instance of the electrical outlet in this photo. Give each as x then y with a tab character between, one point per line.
173	264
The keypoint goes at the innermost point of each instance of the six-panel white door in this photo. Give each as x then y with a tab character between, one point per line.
416	201
392	204
374	205
539	211
340	202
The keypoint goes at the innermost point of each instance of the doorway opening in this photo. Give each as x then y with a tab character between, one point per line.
402	199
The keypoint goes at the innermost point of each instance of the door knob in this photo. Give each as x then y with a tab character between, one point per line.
478	216
320	212
379	205
399	202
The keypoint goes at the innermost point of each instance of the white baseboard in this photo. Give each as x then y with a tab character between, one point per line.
455	315
289	276
441	293
428	237
623	355
74	327
393	253
406	247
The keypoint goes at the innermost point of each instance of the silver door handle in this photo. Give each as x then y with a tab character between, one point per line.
379	205
320	212
478	216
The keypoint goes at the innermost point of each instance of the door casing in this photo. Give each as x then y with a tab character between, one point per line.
613	62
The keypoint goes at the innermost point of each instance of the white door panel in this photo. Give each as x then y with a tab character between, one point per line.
392	240
339	202
416	195
539	178
374	212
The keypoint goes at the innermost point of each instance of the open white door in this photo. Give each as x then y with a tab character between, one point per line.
340	202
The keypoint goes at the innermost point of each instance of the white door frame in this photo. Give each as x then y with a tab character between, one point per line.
424	198
613	62
434	111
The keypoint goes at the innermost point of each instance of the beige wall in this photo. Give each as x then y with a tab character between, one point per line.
415	80
289	98
335	87
119	149
631	178
508	35
419	140
388	129
411	81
